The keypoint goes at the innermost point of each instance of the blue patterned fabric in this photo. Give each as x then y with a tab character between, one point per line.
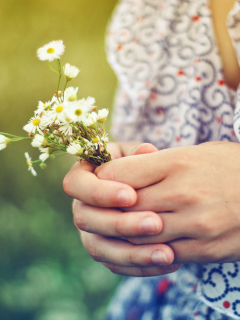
172	92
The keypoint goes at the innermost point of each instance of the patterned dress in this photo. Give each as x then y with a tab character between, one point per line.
172	92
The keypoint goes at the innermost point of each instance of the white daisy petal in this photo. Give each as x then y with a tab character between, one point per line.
102	115
77	111
75	148
38	141
90	119
4	141
51	51
29	163
33	125
70	94
70	72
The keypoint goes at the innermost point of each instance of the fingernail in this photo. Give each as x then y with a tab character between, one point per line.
159	257
149	226
125	198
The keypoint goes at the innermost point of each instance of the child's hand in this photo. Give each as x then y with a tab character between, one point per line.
101	222
195	190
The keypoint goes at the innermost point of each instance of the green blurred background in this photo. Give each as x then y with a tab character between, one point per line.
45	273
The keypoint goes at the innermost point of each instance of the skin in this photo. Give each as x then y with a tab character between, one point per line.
179	205
198	219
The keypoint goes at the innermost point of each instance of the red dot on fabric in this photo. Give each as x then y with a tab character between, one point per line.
160	111
195	18
196	313
219	120
180	73
178	139
153	96
119	47
163	285
147	84
221	82
198	79
226	304
233	133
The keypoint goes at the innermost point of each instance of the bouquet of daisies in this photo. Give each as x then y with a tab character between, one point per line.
64	124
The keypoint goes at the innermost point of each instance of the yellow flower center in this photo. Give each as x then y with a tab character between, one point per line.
68	119
50	50
29	163
59	109
36	122
95	140
72	97
78	112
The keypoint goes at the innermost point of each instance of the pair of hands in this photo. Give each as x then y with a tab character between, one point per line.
145	214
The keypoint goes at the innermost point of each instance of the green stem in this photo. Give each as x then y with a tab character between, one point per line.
60	75
87	133
65	88
52	68
103	128
58	154
9	134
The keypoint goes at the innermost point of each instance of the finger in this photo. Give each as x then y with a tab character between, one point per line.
125	254
144	148
160	197
141	272
175	226
115	223
82	184
138	171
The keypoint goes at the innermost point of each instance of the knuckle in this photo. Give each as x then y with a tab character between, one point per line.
205	226
105	172
132	258
94	253
66	184
95	197
113	268
79	218
121	225
183	160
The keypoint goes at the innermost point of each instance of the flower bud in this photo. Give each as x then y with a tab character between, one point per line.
43	165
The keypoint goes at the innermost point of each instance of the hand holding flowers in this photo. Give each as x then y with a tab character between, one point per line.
64	124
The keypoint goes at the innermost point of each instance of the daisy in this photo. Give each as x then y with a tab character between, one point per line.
105	138
33	125
102	115
75	148
89	144
58	111
96	142
4	141
70	94
66	128
45	154
44	106
51	51
29	163
38	141
90	119
47	119
70	72
77	111
90	102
